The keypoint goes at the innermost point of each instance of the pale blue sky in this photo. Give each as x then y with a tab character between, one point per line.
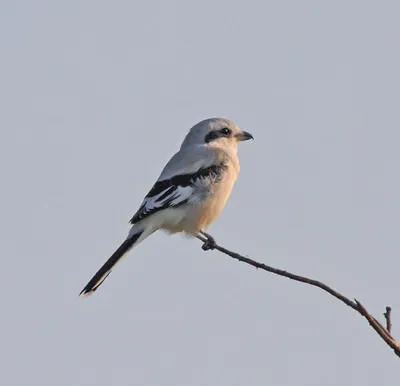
97	95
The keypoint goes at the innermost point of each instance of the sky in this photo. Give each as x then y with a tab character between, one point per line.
96	96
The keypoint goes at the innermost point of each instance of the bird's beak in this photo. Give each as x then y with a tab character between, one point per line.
244	136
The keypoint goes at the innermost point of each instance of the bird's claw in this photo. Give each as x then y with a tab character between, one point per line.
209	244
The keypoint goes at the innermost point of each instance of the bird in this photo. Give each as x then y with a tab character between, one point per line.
190	192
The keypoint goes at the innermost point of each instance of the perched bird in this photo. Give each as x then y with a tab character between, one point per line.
190	193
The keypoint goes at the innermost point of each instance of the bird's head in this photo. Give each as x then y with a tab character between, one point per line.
216	132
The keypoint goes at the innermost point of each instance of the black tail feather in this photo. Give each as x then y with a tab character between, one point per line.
105	270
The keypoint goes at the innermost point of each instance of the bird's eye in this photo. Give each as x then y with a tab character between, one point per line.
225	131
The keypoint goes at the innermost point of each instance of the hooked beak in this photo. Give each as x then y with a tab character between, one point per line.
244	136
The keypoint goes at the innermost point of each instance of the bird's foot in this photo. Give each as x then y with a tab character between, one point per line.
210	243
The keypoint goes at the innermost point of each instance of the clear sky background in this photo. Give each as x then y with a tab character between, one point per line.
96	96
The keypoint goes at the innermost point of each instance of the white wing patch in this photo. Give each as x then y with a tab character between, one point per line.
171	197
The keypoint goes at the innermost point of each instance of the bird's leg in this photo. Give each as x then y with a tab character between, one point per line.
209	243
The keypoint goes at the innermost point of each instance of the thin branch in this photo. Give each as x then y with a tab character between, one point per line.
388	318
384	333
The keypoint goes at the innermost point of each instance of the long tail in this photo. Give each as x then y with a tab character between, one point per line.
105	270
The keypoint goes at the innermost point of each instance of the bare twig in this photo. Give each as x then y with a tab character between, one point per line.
388	318
384	333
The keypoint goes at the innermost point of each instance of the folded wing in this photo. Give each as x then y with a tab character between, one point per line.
174	192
